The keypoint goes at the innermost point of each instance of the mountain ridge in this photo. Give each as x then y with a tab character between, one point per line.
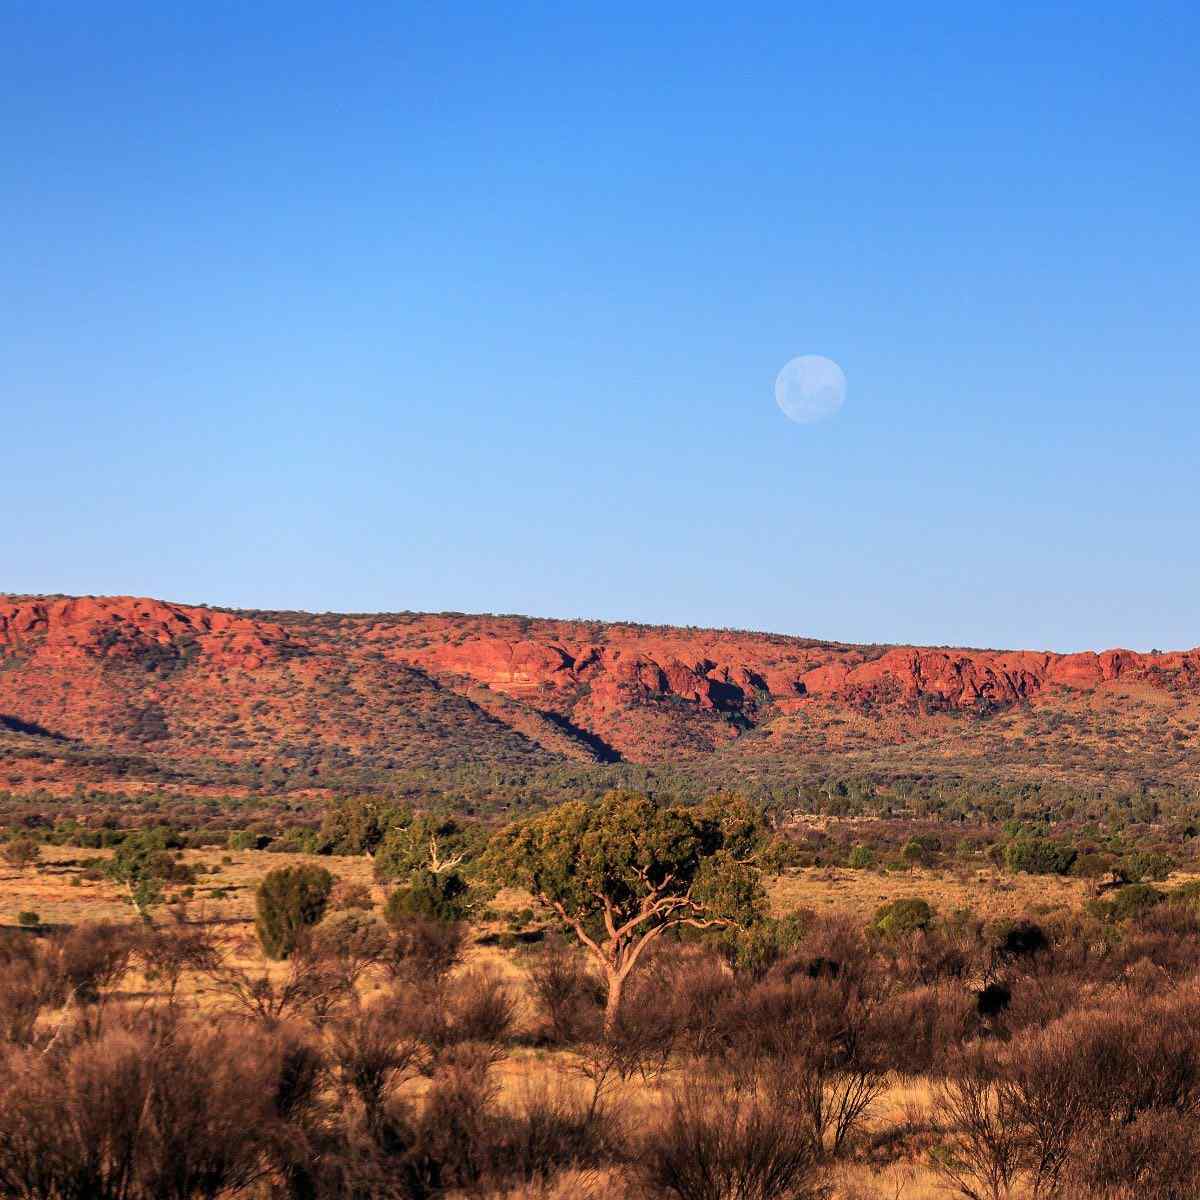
267	695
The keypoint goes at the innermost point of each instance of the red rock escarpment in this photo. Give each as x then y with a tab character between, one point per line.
194	681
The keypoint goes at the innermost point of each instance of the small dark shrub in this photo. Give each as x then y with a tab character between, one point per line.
1129	901
430	895
992	1000
902	917
1021	940
289	901
1039	856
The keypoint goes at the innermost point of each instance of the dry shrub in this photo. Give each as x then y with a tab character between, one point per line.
820	1042
705	990
932	956
986	1159
474	1007
713	1145
26	986
452	1138
550	1131
91	959
921	1029
570	996
1155	1157
1060	1098
1035	1001
481	1008
349	896
836	948
312	987
166	952
373	1058
352	942
80	968
127	1116
424	950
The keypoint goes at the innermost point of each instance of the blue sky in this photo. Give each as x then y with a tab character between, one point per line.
479	307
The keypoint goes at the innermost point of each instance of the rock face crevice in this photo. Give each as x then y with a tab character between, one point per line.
187	681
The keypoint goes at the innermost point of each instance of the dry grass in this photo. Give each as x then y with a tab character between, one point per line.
988	893
890	1165
56	890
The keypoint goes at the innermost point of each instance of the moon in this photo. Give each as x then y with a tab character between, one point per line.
810	389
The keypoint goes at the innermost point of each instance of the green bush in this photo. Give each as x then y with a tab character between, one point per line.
861	857
1148	865
28	919
438	897
1039	856
1093	864
1128	902
757	948
289	900
901	917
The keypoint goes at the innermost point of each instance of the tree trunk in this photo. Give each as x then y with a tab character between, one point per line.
612	1006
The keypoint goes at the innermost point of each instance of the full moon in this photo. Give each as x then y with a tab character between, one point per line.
810	388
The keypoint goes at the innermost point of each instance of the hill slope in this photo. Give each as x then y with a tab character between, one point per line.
123	690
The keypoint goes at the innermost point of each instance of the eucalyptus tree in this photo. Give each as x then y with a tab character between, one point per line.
622	871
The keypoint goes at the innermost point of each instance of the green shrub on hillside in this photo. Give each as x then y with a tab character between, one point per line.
1039	856
901	917
1127	902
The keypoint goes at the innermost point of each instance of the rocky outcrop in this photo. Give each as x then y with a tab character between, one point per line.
238	686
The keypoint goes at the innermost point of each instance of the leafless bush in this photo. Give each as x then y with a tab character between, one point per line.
569	995
919	1029
719	1146
373	1058
934	956
476	1007
1155	1157
90	959
705	989
166	952
986	1158
1060	1096
818	1040
549	1131
311	987
352	942
26	986
453	1135
481	1008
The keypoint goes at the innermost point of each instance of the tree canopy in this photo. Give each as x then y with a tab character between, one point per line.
622	871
